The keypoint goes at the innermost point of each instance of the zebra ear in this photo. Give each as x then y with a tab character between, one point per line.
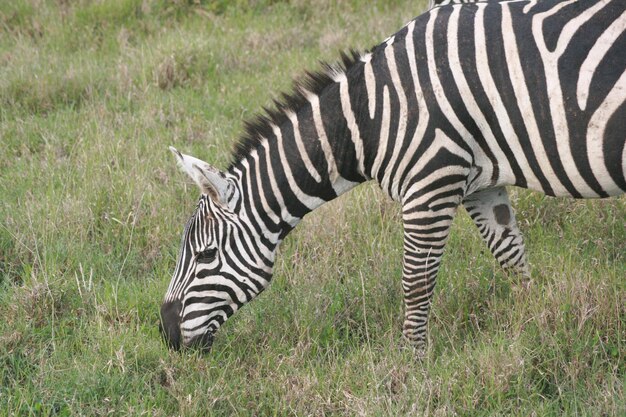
210	180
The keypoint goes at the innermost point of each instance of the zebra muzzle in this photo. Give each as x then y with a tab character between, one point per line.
170	323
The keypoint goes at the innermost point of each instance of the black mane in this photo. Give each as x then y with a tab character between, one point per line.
260	126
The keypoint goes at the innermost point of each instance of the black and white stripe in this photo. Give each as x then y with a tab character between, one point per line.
464	100
435	3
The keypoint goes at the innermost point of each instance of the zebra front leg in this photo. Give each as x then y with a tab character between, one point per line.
492	213
426	230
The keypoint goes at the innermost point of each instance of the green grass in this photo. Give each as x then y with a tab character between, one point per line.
92	207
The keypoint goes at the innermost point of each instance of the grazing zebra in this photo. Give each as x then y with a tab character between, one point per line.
461	102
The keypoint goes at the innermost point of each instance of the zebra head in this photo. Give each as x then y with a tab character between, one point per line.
220	264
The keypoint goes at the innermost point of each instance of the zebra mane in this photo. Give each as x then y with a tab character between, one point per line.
261	125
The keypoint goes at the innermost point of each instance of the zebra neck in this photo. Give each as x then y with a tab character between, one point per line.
310	159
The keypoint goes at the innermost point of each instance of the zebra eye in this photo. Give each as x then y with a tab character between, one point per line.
206	255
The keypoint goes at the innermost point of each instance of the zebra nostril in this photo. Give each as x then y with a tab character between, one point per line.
170	323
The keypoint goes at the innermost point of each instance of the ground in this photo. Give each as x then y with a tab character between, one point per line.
92	206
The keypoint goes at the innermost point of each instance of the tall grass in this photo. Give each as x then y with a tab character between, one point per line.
92	206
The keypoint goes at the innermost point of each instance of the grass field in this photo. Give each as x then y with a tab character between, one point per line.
92	207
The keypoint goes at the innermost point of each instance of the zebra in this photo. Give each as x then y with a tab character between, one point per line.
463	101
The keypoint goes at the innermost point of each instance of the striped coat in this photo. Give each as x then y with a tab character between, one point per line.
463	101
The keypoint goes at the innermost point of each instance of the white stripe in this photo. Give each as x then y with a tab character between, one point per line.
268	210
389	41
370	84
333	173
384	134
423	114
199	306
217	280
247	273
402	116
595	136
340	184
302	149
348	114
190	324
522	97
309	201
529	6
284	213
336	73
572	26
595	56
